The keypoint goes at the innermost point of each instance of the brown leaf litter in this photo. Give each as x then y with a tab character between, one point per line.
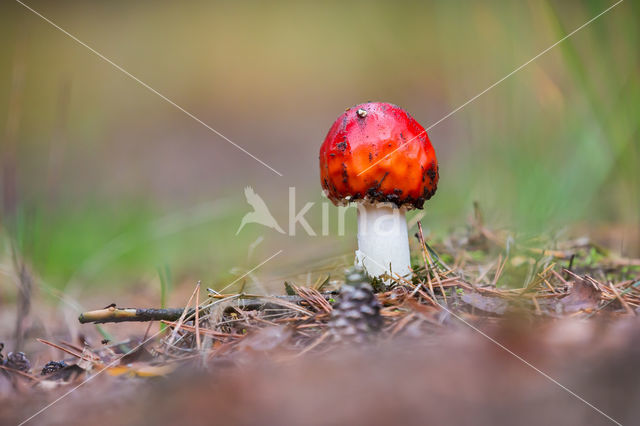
481	280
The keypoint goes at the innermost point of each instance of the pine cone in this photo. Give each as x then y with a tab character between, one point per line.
52	367
356	315
18	361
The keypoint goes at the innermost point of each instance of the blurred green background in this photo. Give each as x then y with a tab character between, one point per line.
105	183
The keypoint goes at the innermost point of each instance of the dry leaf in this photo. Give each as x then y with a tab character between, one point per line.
141	370
583	295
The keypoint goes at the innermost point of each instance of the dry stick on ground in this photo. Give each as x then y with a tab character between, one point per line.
113	314
245	302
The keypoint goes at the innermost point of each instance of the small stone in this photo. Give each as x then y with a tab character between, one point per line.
18	361
52	367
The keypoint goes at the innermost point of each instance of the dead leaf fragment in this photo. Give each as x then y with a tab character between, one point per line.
583	295
141	370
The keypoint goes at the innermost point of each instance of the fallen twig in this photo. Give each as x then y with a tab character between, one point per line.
246	302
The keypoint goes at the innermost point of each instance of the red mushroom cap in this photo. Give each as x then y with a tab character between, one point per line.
354	164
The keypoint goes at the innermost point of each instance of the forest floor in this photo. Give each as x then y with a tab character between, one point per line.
488	330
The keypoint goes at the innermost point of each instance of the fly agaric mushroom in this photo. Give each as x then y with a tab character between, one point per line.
379	156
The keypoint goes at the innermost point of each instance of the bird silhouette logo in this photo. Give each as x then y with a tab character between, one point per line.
260	213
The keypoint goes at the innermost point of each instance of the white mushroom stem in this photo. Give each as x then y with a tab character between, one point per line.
383	241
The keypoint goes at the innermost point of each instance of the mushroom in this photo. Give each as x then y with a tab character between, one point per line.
379	156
